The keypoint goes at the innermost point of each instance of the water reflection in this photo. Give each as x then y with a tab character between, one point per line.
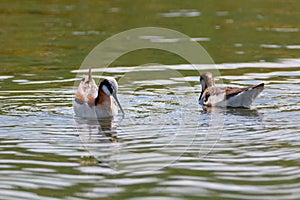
254	156
231	111
171	148
99	138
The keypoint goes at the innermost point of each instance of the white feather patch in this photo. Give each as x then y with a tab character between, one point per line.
244	99
106	90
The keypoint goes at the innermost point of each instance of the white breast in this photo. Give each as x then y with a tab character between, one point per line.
83	110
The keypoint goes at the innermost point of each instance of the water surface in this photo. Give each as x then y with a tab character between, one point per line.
166	147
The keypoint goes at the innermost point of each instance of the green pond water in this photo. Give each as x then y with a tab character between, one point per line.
166	146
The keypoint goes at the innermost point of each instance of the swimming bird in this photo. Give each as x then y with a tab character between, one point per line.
96	102
227	96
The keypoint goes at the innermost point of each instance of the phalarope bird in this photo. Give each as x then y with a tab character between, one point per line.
228	96
96	102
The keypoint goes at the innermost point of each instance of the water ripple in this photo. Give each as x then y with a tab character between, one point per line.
165	145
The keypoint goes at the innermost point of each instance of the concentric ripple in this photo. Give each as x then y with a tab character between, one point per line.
164	148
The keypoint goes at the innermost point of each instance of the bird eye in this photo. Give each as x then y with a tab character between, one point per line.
113	90
83	79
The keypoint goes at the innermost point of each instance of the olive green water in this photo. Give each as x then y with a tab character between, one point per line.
166	147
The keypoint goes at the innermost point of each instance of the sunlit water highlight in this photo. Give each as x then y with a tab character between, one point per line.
165	146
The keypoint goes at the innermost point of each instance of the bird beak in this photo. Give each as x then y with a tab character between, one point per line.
117	100
90	74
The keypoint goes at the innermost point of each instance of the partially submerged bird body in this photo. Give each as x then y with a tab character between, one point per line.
227	96
92	101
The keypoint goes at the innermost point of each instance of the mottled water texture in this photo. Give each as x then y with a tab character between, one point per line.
166	146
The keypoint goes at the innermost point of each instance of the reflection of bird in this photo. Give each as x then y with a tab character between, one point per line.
96	137
96	102
228	96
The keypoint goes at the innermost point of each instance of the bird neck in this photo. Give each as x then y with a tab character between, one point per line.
102	97
210	83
